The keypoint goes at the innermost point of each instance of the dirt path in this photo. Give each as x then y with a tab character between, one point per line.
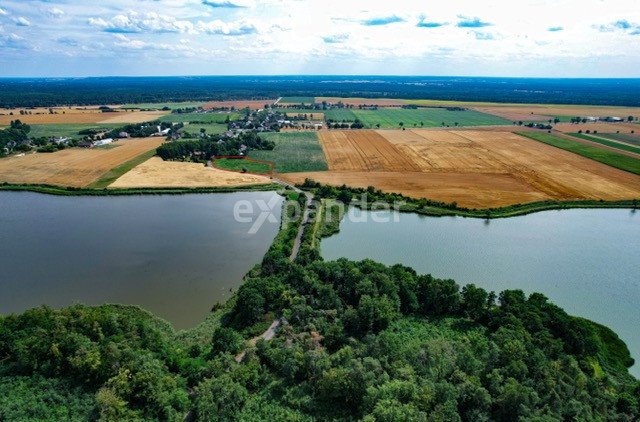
273	328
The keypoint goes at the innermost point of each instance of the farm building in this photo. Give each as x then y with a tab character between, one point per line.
102	142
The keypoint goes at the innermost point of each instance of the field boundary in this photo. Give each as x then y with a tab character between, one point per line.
70	191
114	174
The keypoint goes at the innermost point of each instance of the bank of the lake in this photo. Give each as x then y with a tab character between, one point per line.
175	256
584	260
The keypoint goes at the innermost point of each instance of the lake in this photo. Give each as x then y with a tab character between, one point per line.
587	261
175	256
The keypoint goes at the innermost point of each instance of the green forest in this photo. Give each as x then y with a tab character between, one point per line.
357	341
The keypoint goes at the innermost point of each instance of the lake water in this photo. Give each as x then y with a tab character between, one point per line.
175	256
587	261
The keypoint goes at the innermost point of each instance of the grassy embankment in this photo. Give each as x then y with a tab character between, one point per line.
613	159
601	141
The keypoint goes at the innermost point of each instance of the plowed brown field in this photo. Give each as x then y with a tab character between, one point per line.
477	169
72	167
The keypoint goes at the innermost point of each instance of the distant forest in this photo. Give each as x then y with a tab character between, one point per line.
47	92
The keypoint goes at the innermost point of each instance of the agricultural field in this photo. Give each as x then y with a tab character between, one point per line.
390	118
75	167
210	128
156	173
628	163
239	105
340	115
631	138
622	127
543	112
297	100
66	130
243	165
160	106
220	117
474	168
294	152
89	116
603	141
382	102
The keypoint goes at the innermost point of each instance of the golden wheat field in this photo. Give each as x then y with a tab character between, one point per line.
476	169
74	167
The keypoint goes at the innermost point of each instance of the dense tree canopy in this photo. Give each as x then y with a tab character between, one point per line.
357	341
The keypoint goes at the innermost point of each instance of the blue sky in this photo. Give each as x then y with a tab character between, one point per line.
545	38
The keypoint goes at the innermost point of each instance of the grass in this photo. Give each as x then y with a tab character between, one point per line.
235	164
70	191
297	100
390	118
629	138
339	115
160	106
216	117
601	141
211	128
608	157
113	174
294	152
66	130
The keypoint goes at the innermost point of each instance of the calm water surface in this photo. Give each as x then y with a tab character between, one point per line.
173	255
587	261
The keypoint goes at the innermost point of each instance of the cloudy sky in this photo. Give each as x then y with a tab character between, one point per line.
568	38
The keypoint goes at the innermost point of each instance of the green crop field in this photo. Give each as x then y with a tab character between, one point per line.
160	106
199	117
294	151
339	115
236	164
297	100
67	130
629	138
613	144
211	128
389	118
605	156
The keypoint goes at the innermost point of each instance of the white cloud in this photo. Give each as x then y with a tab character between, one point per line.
218	27
3	12
56	12
22	21
134	22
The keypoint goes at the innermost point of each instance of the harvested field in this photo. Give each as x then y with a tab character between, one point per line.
476	169
156	173
252	104
526	112
473	191
83	117
362	150
599	126
72	167
384	102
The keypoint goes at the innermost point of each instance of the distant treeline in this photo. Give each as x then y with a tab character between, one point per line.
43	92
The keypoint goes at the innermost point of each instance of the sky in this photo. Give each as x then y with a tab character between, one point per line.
528	38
